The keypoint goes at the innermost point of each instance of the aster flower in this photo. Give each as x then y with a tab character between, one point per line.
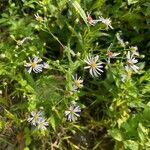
73	113
35	65
38	18
90	20
35	117
131	61
77	82
93	65
111	55
42	123
134	50
106	21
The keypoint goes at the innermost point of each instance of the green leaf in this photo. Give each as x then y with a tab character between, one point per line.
142	132
132	2
131	145
79	9
146	113
52	122
116	134
26	148
12	116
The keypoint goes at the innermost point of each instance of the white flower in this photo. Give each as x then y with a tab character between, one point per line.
35	65
2	55
45	65
131	61
106	21
93	66
42	123
73	113
77	82
38	18
120	39
134	50
36	116
111	54
90	20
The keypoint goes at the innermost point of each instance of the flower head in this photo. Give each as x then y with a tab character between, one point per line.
93	65
90	20
77	82
111	54
42	123
131	61
38	18
35	117
73	113
35	65
106	21
134	50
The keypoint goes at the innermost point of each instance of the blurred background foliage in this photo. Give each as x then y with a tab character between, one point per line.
115	114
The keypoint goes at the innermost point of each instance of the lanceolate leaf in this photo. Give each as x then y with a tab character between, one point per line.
79	9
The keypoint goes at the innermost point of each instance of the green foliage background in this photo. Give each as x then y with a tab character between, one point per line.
115	114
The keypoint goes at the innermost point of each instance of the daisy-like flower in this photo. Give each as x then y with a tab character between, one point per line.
90	20
77	82
35	117
35	65
131	61
73	113
106	21
111	55
93	65
38	18
134	50
42	123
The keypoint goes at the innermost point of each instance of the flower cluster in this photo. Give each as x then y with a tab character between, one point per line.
93	22
36	65
37	119
74	112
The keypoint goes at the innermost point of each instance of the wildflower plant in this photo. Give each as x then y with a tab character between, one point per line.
91	82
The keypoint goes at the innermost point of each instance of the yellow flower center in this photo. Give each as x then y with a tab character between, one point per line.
93	65
129	73
36	117
77	83
33	65
41	124
40	19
